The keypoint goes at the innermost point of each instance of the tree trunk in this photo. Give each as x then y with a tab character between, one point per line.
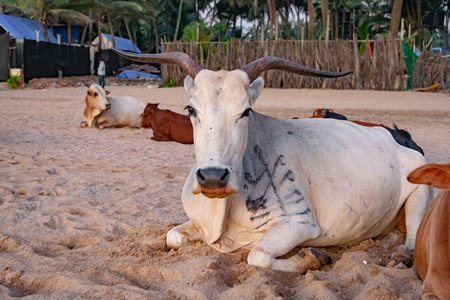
311	20
178	21
43	22
336	21
155	30
47	38
129	35
325	9
111	30
419	22
233	31
396	16
213	16
83	36
69	34
287	5
99	28
166	17
271	17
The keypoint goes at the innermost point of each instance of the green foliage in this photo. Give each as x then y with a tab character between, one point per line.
363	32
13	81
411	40
170	83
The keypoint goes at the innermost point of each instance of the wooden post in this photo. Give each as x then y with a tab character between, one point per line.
276	29
356	82
303	38
262	32
327	29
402	28
198	32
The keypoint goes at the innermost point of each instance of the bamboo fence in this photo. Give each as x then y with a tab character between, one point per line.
384	70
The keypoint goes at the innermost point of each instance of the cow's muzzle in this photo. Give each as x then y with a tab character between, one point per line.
213	182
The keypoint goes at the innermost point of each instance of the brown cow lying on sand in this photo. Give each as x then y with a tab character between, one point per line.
102	111
167	125
432	252
401	136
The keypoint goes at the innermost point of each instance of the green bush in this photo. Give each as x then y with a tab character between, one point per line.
170	83
13	81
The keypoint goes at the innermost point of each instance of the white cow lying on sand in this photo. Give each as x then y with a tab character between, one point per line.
103	112
267	185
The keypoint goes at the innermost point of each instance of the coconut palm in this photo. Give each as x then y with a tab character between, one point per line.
104	11
47	12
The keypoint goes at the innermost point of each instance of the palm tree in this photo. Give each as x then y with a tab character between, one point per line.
396	16
178	21
311	20
325	10
47	12
106	10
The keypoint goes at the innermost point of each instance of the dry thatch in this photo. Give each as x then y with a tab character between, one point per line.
385	70
430	69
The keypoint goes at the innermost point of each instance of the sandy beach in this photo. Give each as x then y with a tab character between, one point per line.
84	212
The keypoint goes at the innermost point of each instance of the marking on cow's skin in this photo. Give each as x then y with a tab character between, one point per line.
290	132
350	208
267	177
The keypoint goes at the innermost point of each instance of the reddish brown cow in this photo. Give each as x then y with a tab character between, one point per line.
167	125
432	252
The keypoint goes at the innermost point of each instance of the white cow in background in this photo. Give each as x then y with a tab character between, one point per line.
103	112
267	185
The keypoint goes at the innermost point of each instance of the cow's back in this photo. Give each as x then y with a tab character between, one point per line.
127	110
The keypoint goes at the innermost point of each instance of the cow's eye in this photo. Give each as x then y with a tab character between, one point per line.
191	111
246	112
95	94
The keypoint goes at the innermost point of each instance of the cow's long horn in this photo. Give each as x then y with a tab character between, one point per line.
179	58
256	67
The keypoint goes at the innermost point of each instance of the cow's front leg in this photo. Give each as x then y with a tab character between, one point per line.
282	238
109	122
161	138
181	235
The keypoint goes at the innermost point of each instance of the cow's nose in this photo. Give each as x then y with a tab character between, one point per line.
211	178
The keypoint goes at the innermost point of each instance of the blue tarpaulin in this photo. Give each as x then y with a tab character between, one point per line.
21	28
122	43
130	74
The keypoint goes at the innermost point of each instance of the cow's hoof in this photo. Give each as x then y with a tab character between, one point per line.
175	239
315	258
322	256
402	257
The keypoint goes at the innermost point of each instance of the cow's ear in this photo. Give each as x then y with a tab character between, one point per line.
107	92
189	85
436	175
255	89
